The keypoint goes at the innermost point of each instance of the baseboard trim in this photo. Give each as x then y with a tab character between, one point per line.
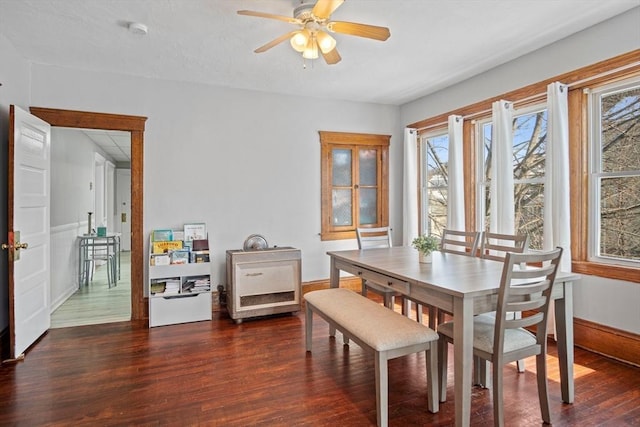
353	283
610	342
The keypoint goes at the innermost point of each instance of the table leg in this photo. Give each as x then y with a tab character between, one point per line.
80	261
564	327
334	282
463	358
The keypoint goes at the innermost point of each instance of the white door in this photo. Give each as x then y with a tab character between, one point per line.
29	211
123	197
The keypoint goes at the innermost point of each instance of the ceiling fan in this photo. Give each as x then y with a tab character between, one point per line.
312	36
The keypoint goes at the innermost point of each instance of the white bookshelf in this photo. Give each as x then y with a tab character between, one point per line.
187	301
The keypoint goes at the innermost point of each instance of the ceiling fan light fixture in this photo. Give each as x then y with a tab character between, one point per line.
326	43
299	40
311	50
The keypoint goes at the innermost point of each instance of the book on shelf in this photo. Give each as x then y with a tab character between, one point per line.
180	256
195	231
178	235
160	259
164	246
196	284
199	256
162	235
200	245
169	286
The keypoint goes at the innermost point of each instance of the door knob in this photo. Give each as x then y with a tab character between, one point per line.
17	246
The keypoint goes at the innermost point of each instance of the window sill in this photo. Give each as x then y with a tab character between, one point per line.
628	274
338	235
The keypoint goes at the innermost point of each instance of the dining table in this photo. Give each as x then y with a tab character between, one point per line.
464	286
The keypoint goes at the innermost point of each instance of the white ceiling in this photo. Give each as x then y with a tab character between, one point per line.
116	144
433	43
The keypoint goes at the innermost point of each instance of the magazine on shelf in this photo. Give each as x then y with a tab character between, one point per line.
195	231
162	235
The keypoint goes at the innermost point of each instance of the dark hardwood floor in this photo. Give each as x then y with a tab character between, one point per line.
258	374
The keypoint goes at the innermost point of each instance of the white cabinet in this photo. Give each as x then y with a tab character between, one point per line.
178	293
262	282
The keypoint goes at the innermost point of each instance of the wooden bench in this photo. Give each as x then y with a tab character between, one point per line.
380	330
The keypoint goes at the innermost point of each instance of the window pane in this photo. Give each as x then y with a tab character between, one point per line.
341	167
529	144
342	207
368	206
438	161
620	218
486	143
529	200
437	211
529	152
435	171
368	167
620	123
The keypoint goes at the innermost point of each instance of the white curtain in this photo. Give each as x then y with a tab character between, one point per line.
410	228
502	218
557	226
455	198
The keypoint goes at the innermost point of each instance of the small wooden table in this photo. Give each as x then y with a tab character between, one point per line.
464	286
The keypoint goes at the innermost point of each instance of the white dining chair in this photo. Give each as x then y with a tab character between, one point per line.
500	339
380	237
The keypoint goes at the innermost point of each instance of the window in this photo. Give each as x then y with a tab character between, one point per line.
615	174
434	177
529	146
355	183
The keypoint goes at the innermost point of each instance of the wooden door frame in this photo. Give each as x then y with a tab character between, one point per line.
135	125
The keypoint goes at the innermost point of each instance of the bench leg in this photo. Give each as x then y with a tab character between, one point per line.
308	326
382	389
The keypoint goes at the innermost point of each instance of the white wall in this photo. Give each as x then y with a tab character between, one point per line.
607	302
242	161
14	76
615	36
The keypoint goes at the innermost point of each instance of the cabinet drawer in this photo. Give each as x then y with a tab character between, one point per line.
380	279
179	309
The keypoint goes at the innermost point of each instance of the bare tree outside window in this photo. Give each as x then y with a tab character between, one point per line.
435	155
529	152
618	174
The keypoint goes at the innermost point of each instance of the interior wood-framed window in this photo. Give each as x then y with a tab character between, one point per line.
355	183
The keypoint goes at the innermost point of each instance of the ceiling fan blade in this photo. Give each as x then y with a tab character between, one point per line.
324	8
331	57
288	19
274	42
360	30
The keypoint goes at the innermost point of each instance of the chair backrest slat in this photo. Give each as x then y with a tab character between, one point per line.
460	242
378	237
496	245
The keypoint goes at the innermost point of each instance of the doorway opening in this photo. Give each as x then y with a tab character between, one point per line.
90	172
135	126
